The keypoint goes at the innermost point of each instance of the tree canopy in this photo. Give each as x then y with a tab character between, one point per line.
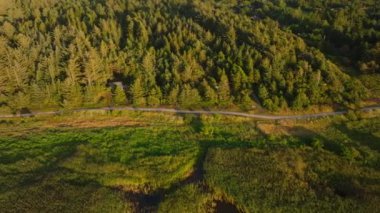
56	54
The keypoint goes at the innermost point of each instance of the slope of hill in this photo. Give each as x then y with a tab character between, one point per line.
65	54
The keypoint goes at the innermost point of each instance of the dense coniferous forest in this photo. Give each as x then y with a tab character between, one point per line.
67	54
337	27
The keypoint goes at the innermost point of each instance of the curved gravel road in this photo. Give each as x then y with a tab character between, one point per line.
200	112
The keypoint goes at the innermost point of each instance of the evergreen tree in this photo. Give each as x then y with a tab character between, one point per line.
189	97
119	97
19	102
224	90
209	94
245	100
154	97
138	93
72	96
173	96
66	55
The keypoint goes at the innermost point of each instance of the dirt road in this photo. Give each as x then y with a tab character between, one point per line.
200	112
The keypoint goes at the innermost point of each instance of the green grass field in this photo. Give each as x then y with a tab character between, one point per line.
187	164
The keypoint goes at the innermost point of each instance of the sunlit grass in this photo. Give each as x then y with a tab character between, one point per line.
136	159
103	161
334	165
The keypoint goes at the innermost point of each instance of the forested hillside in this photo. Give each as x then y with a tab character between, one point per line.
338	27
65	54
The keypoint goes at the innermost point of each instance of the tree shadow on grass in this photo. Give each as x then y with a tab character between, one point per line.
28	178
143	202
361	138
315	140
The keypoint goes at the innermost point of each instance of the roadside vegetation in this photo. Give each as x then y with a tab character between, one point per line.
190	164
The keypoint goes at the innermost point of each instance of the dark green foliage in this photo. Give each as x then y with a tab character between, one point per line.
176	52
338	27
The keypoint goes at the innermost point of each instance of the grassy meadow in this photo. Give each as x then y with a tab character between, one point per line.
152	162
